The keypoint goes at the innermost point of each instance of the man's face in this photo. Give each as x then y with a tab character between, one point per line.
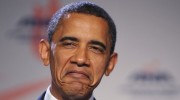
79	55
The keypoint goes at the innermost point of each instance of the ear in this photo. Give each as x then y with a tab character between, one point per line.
112	63
44	48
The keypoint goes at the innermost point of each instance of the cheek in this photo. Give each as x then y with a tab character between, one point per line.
61	58
99	66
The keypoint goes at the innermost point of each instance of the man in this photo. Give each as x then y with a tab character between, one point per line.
79	50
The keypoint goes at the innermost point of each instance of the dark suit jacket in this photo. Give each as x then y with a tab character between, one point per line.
43	95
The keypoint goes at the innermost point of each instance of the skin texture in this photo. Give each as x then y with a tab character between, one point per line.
79	55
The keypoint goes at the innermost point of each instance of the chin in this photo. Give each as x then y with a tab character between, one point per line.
77	90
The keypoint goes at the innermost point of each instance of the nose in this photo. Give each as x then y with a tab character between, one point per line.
80	58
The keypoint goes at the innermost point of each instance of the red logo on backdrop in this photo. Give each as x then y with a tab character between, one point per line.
41	18
32	27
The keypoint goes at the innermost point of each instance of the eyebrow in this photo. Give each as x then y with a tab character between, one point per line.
94	42
98	43
68	38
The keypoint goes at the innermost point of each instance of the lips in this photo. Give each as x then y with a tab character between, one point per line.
77	74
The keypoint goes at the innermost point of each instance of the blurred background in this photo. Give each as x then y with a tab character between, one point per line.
148	44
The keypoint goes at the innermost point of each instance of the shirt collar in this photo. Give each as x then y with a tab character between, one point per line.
49	96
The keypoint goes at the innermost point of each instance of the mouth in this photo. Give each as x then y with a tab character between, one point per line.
78	74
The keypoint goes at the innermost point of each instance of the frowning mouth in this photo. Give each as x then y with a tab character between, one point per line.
78	74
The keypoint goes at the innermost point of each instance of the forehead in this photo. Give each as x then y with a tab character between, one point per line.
86	21
83	25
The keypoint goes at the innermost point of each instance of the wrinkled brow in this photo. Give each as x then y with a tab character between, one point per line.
94	42
68	38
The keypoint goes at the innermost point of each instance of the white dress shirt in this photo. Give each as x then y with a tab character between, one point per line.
49	96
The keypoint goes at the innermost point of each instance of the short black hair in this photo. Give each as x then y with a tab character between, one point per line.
83	7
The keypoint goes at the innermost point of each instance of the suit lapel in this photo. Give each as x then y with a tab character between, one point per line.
42	96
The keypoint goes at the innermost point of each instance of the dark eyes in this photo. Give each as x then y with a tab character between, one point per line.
97	49
94	48
69	45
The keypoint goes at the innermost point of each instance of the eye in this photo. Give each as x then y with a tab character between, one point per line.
97	49
69	44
